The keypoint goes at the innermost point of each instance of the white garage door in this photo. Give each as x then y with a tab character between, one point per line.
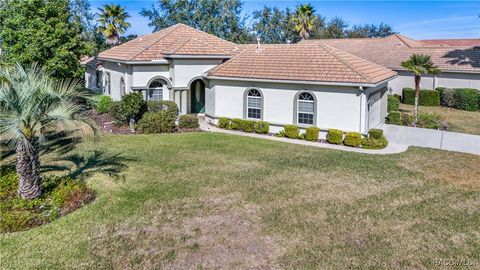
374	110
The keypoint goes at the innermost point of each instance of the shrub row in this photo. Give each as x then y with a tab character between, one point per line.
427	97
393	103
249	126
467	99
425	120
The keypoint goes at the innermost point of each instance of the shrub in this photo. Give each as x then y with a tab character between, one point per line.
188	121
394	118
441	91
467	99
335	136
102	103
375	133
156	122
448	98
353	139
427	97
393	103
429	120
407	119
247	126
224	122
372	143
116	112
163	105
311	134
235	124
262	127
291	131
133	105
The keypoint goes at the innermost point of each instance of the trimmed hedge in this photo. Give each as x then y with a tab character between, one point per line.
262	127
393	103
429	98
247	126
467	99
291	131
335	136
311	134
224	122
188	121
235	124
156	122
375	133
394	118
371	143
353	139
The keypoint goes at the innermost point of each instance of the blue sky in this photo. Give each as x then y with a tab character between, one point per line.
416	19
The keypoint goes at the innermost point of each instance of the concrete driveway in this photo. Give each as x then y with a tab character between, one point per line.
444	140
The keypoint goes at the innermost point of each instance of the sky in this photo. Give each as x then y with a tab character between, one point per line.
415	19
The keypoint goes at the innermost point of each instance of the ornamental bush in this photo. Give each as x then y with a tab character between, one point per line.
427	97
375	133
116	112
291	131
448	98
163	105
262	127
235	124
371	143
188	121
467	99
394	118
133	105
429	120
311	134
224	122
335	136
353	139
393	103
101	103
156	122
247	126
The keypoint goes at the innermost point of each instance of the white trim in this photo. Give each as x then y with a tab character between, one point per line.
151	62
194	56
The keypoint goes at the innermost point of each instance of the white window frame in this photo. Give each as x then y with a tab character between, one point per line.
305	112
259	99
153	92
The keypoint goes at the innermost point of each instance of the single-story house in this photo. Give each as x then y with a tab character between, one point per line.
459	59
302	84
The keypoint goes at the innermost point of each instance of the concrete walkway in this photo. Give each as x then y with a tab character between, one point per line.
392	148
438	139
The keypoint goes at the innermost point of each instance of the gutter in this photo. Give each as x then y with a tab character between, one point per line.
205	56
152	62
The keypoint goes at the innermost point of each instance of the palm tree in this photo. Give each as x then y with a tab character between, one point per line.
419	64
113	22
31	104
304	20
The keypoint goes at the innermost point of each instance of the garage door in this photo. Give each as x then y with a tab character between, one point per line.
374	111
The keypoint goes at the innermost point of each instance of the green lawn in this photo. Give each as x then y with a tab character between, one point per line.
216	201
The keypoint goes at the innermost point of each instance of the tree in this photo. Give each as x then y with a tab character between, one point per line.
304	20
43	32
31	104
370	31
273	25
113	22
336	28
419	64
221	18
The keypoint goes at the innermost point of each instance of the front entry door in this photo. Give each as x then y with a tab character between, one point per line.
198	97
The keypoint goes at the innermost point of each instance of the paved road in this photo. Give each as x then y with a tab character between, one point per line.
444	140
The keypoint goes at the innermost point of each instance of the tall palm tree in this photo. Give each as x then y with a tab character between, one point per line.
31	104
113	22
304	20
419	64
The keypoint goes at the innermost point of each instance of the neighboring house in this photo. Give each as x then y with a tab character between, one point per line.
282	84
459	60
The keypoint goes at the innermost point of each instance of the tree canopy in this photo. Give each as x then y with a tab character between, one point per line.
112	21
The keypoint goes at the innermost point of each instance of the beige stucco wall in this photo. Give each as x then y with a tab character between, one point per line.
184	70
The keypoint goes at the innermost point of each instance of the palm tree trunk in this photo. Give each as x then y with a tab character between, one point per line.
28	170
417	96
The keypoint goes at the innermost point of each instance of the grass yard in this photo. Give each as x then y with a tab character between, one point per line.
458	120
217	201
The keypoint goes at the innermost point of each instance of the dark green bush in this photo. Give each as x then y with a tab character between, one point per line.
116	112
441	91
188	121
224	122
235	124
371	143
101	103
427	97
375	133
335	136
247	126
311	134
394	118
353	139
262	127
393	103
133	105
291	131
156	122
467	99
448	98
163	105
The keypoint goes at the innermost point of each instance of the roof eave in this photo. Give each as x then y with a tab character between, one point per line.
196	56
130	62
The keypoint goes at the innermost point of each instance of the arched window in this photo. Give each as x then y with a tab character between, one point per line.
155	90
254	104
122	87
305	109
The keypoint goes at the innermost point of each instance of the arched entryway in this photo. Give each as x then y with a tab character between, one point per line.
197	96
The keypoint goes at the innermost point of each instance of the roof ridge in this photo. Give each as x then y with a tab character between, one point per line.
203	32
170	28
329	50
196	39
219	67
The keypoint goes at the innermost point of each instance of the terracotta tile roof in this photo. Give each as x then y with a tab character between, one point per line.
89	61
392	50
297	62
453	42
176	39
